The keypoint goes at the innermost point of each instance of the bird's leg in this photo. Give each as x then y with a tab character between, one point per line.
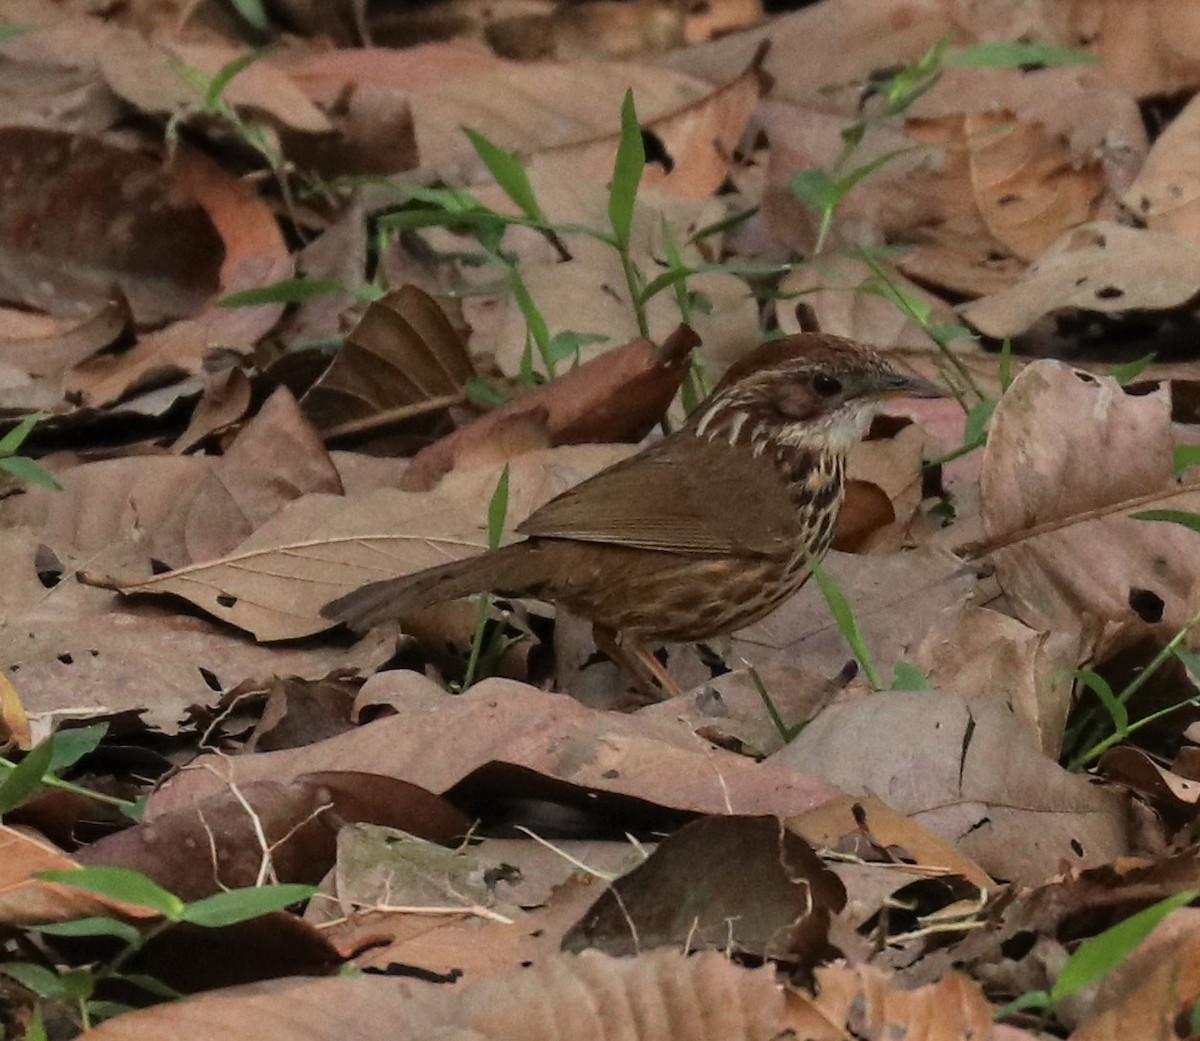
638	662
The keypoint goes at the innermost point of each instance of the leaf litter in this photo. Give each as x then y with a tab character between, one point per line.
964	786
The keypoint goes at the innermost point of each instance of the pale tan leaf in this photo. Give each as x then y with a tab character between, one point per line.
1066	450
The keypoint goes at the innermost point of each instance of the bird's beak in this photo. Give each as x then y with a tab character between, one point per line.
902	385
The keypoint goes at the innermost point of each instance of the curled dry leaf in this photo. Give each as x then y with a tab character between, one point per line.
54	353
1101	266
864	1001
969	772
1069	456
736	884
617	396
985	654
1166	193
402	354
218	843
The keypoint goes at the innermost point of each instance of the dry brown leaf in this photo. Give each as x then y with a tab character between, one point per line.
583	998
841	41
659	761
896	598
1065	450
1166	193
402	352
77	652
736	884
82	215
617	396
25	900
985	654
1027	188
697	142
1149	48
1135	769
863	1001
54	353
968	772
828	825
229	839
1101	266
225	400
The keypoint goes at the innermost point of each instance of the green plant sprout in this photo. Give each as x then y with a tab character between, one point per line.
1083	735
45	761
496	517
22	467
847	623
823	191
78	986
1098	956
258	136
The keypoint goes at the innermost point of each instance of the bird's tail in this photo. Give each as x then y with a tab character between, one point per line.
503	571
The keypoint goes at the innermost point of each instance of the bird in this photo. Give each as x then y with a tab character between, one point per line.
700	533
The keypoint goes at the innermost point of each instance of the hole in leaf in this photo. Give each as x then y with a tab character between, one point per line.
1146	604
656	151
225	600
1109	293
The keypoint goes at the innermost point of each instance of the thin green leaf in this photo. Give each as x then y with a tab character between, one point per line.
1186	518
37	978
627	174
483	392
509	174
288	291
535	322
978	417
30	471
566	344
843	615
26	777
1183	457
1190	661
225	74
1101	954
240	905
13	440
254	13
92	927
906	676
1127	373
36	1031
151	985
118	883
498	510
817	190
1030	999
1007	54
1115	708
72	745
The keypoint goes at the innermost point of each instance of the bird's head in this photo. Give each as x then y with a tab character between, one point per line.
811	390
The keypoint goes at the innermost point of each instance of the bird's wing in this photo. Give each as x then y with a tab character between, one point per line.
702	498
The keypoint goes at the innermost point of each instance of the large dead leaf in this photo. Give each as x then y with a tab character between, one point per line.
1101	267
659	761
73	651
1066	450
969	772
588	998
1166	193
895	597
80	215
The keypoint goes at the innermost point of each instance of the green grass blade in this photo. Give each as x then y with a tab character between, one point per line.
509	174
1007	54
627	174
1186	518
118	883
26	776
1101	954
498	510
240	905
843	615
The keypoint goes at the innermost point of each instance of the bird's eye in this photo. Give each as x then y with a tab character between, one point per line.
826	386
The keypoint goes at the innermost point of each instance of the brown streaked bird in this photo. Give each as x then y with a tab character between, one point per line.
701	533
